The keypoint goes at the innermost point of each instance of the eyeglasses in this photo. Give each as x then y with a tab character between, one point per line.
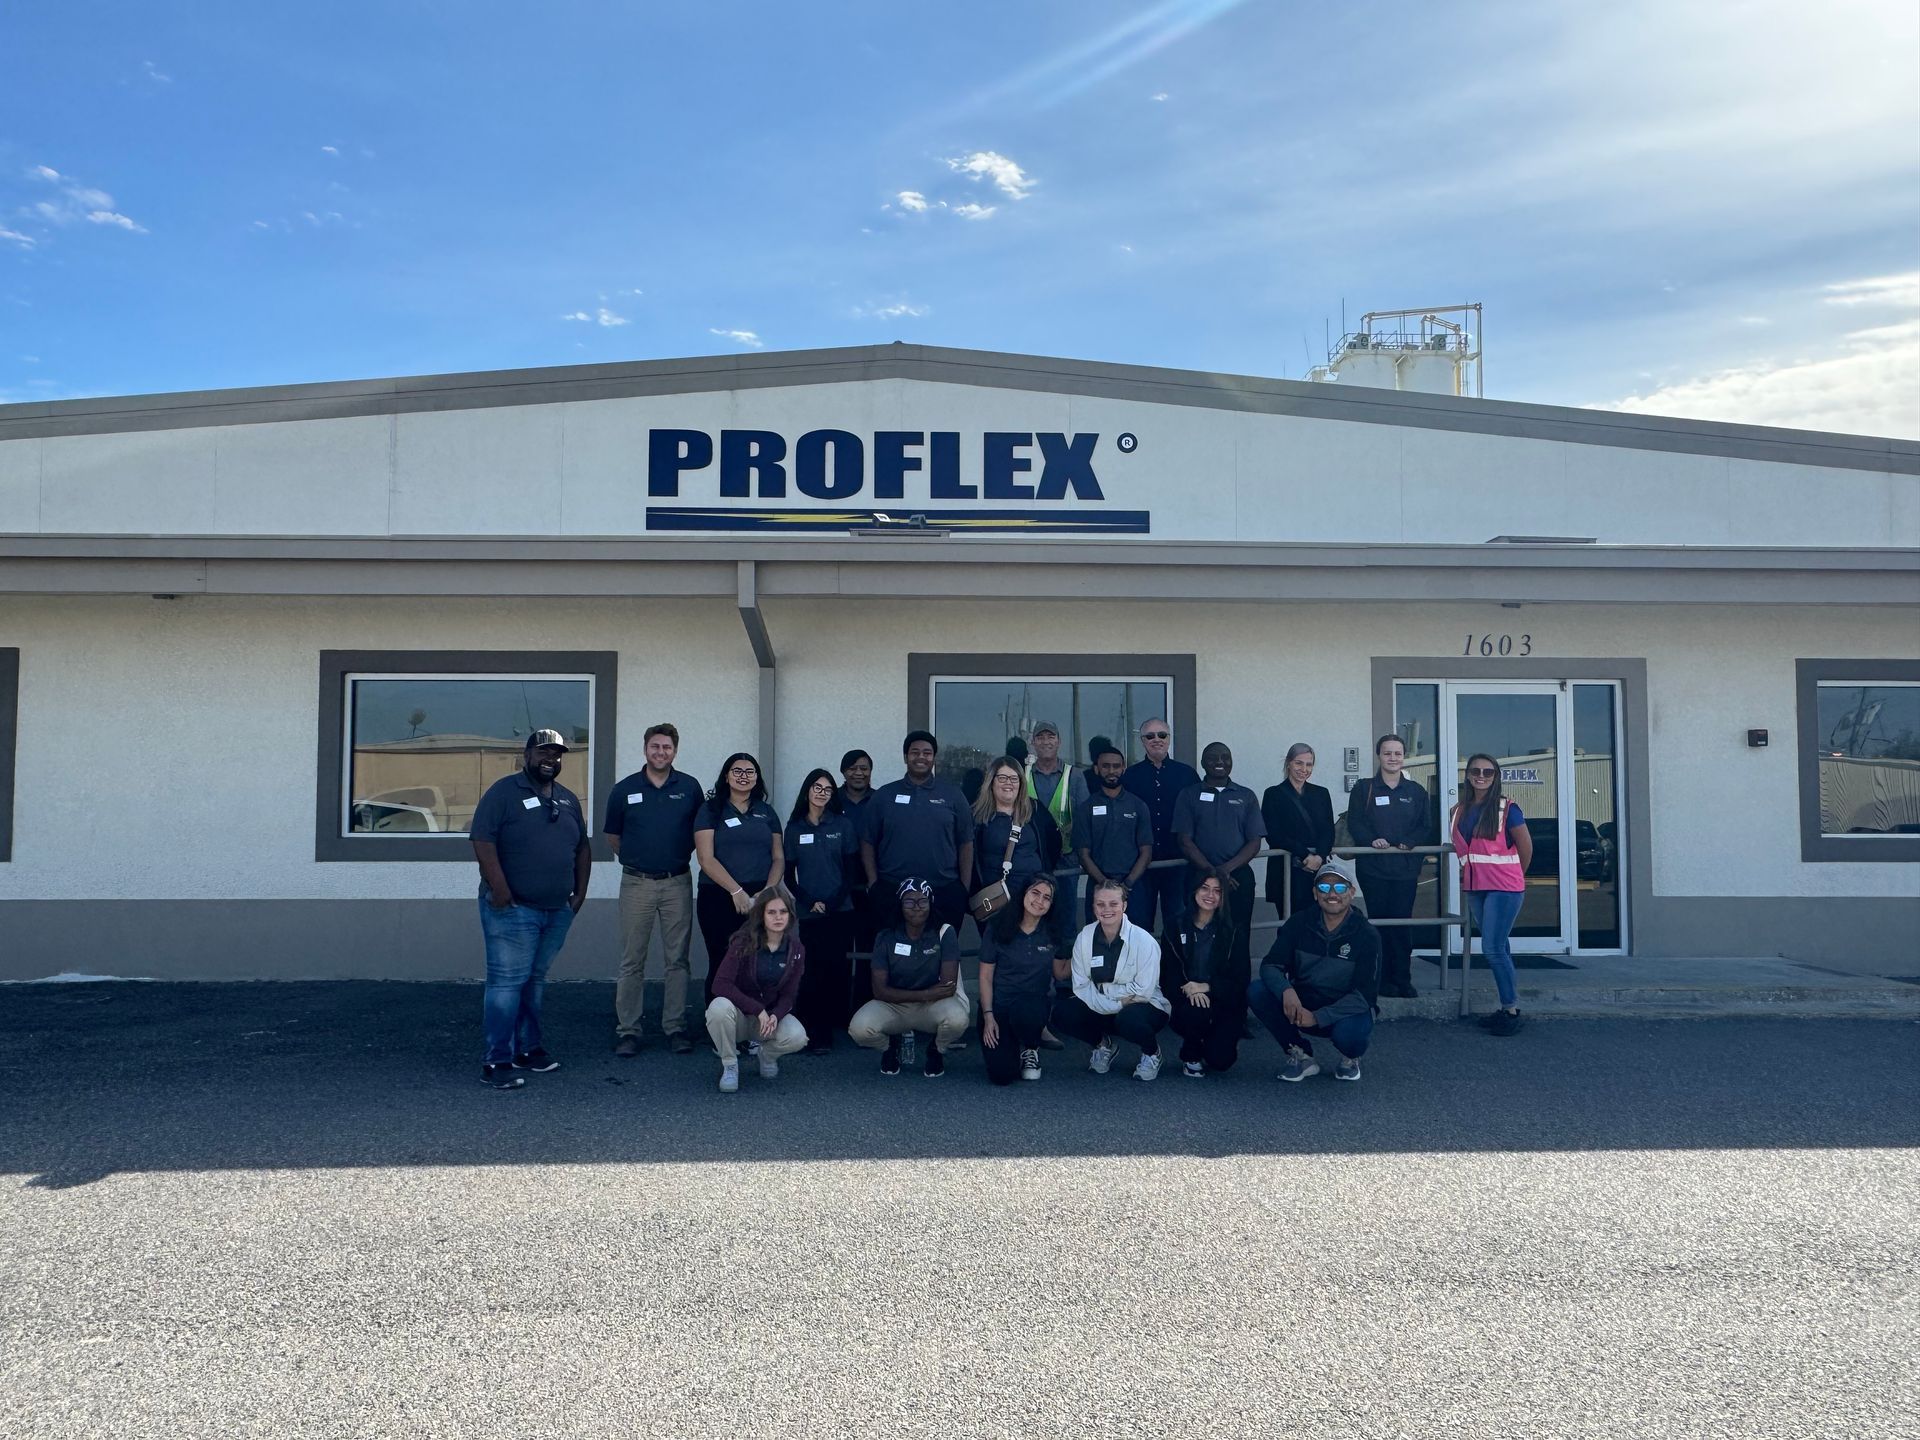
826	785
743	772
1155	735
1482	773
1333	887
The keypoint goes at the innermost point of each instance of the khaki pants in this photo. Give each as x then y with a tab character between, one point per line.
876	1022
642	902
730	1029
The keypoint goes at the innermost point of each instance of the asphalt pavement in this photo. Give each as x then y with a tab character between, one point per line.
231	1210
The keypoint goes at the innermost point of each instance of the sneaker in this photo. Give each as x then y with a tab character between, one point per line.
729	1076
538	1061
680	1043
752	1047
1193	1070
627	1046
1300	1065
1504	1022
1347	1070
1051	1041
936	1065
1101	1058
907	1043
769	1067
890	1057
1148	1068
1029	1064
501	1077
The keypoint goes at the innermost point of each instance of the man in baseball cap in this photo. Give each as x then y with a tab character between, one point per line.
1321	978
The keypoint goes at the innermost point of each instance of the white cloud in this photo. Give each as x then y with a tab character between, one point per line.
1901	291
971	211
26	242
740	337
601	316
1007	177
76	203
912	200
1869	384
154	73
332	150
897	310
1161	96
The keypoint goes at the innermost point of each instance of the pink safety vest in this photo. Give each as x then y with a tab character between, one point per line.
1489	864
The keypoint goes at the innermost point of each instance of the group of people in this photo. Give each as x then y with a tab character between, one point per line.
846	916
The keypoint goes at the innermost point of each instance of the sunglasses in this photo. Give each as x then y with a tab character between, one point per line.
552	807
1333	887
1155	735
1480	772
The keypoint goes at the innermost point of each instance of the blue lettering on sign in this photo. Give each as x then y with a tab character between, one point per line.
832	464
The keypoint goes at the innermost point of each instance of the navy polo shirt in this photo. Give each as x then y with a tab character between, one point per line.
1112	830
1219	822
1022	966
1161	788
1196	946
855	813
654	822
742	841
990	843
915	964
817	861
919	829
536	852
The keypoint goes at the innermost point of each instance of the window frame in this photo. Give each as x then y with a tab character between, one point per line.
333	769
9	744
1817	848
1178	670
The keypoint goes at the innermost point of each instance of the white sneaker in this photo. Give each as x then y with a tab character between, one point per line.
1029	1064
729	1076
1300	1066
769	1067
1148	1068
1193	1069
1102	1057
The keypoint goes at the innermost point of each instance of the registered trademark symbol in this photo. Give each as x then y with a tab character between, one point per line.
1128	442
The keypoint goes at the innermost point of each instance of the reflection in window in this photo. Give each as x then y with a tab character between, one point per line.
424	749
975	718
1867	741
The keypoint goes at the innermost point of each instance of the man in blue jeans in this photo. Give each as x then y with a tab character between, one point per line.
530	836
1321	978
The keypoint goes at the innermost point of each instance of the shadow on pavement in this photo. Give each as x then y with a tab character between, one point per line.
124	1078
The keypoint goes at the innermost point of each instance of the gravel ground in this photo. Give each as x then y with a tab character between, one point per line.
292	1210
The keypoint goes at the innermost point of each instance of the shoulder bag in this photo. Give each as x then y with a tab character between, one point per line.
991	900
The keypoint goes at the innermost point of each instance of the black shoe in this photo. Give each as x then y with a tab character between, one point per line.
538	1061
890	1057
1051	1041
820	1047
1504	1022
1398	992
627	1046
680	1043
936	1065
501	1077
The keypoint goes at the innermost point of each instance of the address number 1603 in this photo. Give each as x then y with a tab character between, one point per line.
1498	645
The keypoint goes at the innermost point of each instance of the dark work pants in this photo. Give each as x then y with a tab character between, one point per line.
1390	891
860	942
1161	887
1212	1035
1140	1024
826	980
713	909
1021	1018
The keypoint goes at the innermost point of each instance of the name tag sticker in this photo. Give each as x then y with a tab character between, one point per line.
635	798
1099	809
903	800
1383	799
733	822
1207	796
900	947
532	802
806	839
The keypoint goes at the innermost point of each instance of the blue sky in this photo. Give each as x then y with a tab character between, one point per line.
1695	207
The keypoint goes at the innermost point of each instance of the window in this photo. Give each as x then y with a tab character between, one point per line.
410	741
1859	760
977	703
9	731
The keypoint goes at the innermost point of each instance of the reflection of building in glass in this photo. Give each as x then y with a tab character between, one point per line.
434	782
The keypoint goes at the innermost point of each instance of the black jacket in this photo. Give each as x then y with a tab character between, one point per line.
1222	970
1406	819
1334	975
1298	822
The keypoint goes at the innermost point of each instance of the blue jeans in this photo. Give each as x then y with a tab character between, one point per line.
1494	912
1167	886
521	944
1351	1034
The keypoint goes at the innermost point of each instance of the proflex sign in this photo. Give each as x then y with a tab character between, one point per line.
1025	482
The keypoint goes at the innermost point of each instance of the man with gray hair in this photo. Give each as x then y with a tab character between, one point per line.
1160	780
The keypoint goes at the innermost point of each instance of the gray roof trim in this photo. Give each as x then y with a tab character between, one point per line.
1141	383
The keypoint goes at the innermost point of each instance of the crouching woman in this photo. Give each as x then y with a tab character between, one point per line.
1116	987
1018	970
755	988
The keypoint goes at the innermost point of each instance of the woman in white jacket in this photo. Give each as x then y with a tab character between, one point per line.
1116	986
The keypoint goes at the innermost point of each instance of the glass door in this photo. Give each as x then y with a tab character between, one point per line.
1557	745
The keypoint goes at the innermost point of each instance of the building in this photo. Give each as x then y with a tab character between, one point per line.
261	649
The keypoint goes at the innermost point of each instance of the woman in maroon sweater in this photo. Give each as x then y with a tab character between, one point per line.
754	990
